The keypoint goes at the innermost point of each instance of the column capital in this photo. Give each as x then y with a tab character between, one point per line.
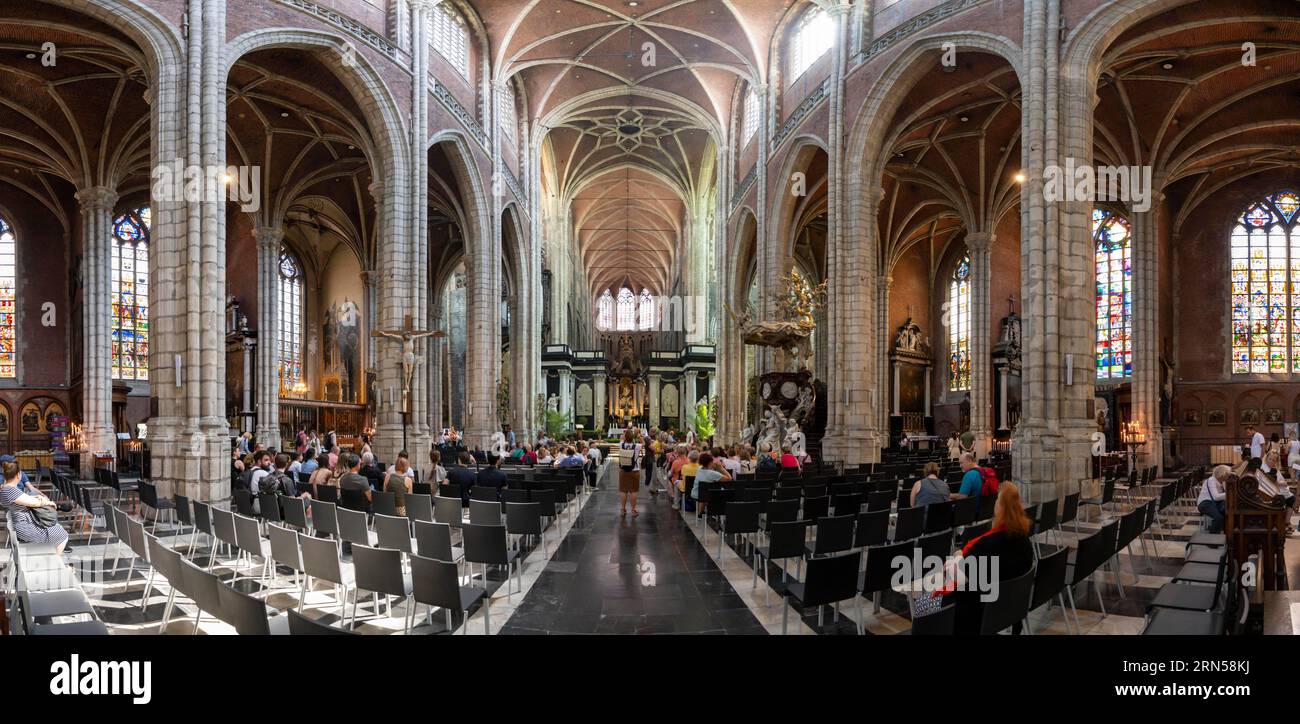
376	189
836	11
421	5
97	198
268	237
370	277
875	194
887	281
979	241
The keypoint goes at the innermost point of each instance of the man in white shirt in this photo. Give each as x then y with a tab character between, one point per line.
1211	500
1256	442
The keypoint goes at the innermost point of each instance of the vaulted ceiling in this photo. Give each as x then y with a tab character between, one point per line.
74	114
1175	93
633	131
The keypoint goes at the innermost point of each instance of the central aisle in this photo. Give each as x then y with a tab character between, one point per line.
630	575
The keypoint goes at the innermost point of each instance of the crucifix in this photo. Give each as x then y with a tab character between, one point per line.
407	335
1011	304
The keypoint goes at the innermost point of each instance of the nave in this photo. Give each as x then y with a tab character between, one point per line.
601	572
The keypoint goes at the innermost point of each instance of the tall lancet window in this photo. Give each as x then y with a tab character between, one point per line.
1110	236
605	312
448	35
292	381
8	301
814	36
646	311
1266	286
129	288
959	327
626	310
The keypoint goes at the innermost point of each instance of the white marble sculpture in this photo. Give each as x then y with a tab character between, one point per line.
773	427
553	403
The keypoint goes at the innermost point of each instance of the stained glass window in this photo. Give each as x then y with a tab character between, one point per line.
130	295
507	114
646	311
814	36
8	301
291	322
626	310
1111	236
1266	287
605	312
959	327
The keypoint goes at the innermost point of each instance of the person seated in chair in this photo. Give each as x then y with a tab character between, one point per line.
370	471
492	476
464	474
1007	543
22	511
1213	498
353	479
930	489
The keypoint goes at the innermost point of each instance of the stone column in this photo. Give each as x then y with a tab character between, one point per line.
857	402
189	433
246	405
1051	446
96	204
689	397
884	337
655	379
566	391
981	390
417	276
598	405
269	239
1148	376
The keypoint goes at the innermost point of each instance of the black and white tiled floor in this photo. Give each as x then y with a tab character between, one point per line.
603	573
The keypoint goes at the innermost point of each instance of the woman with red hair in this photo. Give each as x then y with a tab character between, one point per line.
1006	550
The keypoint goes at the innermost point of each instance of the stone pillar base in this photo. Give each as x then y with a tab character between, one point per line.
268	435
189	460
1051	463
851	447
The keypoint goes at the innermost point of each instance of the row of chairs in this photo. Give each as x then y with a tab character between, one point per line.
393	568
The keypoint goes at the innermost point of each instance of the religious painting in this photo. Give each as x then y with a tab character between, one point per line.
911	388
342	350
30	417
52	413
668	405
1216	417
1192	417
583	403
1273	415
4	420
1249	415
1291	430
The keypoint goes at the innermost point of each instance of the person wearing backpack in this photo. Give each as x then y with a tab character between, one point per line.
629	471
972	480
278	481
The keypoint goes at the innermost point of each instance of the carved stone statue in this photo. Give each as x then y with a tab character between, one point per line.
910	339
553	403
747	434
773	427
803	408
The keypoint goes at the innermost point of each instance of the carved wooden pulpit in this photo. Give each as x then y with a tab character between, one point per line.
1256	523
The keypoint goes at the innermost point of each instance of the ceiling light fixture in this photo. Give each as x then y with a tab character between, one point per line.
1020	177
1167	66
965	118
284	114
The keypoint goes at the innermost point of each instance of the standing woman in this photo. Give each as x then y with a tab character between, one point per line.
22	507
629	471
